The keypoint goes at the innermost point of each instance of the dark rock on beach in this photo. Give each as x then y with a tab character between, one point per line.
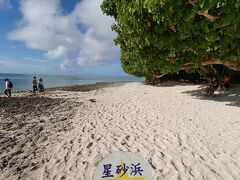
26	121
88	87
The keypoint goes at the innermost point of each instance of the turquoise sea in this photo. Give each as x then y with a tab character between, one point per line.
23	82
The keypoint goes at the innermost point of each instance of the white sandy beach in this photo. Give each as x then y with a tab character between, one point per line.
178	131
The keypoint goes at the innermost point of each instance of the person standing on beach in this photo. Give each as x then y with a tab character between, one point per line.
34	84
8	87
40	85
212	87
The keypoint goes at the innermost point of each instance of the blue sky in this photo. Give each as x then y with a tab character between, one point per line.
57	37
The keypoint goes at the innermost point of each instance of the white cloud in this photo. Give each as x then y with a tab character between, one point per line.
44	27
68	65
5	4
82	37
57	53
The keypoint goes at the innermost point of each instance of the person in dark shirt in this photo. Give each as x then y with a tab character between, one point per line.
212	86
40	85
225	82
34	84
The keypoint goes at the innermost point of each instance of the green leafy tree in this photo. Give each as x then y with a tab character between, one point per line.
164	36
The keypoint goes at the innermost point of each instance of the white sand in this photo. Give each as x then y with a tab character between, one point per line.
180	133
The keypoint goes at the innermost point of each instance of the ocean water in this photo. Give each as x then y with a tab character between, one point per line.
23	82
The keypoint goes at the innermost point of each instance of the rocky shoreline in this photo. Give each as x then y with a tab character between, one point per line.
27	122
87	87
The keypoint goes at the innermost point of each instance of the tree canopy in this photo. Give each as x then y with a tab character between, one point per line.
164	36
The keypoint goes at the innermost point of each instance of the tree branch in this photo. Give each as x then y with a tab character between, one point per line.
208	16
205	61
191	2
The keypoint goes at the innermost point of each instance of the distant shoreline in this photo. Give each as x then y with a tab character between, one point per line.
88	87
80	87
23	83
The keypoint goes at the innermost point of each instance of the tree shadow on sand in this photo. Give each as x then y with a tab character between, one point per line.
231	97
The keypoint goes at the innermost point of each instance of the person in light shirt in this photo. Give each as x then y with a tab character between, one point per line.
8	87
